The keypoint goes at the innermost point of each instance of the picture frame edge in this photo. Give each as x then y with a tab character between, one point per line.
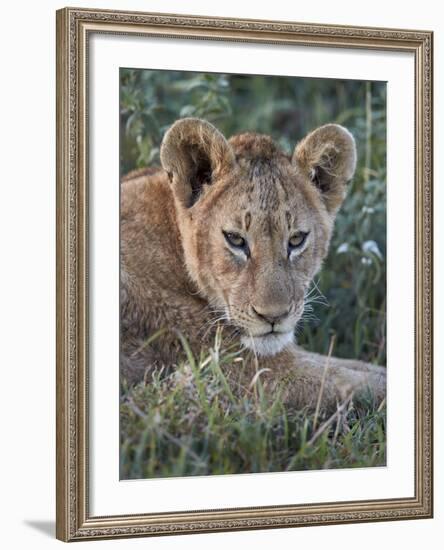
72	519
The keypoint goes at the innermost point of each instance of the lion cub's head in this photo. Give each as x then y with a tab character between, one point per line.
255	223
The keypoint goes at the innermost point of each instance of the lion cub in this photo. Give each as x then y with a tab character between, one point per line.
233	232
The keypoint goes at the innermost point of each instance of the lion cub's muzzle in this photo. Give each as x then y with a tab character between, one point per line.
274	319
269	330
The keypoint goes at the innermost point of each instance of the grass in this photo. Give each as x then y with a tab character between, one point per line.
192	422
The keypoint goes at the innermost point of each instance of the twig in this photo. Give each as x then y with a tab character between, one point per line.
381	406
335	436
328	422
256	366
256	377
324	376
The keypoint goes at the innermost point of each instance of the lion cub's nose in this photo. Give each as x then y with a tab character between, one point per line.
271	316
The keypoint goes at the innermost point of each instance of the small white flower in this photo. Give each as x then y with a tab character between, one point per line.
366	261
342	248
368	210
371	247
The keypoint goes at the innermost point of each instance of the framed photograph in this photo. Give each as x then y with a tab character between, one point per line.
244	274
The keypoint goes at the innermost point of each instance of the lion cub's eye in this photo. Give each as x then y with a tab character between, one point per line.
297	240
237	243
234	239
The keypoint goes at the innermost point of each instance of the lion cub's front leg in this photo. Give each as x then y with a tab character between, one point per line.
299	374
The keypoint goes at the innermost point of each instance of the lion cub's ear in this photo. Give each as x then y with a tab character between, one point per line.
328	156
194	153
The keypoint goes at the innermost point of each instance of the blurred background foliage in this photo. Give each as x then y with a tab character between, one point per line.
353	278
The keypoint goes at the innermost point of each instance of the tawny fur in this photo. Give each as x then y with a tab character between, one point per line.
179	274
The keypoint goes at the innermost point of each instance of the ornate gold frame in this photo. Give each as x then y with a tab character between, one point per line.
73	28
